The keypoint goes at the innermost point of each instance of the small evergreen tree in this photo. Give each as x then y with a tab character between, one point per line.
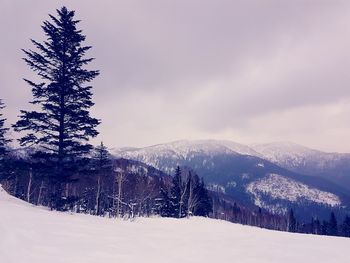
176	194
205	204
102	160
345	229
86	203
292	222
332	225
165	208
325	228
316	226
62	125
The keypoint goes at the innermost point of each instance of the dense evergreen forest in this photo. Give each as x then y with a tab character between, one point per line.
57	167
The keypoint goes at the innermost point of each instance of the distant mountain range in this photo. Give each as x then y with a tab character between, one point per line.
273	176
334	167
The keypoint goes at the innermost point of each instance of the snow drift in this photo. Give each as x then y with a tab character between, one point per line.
33	234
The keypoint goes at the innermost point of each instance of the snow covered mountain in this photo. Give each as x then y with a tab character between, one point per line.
239	171
287	152
332	166
167	156
34	234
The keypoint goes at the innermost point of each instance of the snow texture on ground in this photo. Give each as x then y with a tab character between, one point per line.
32	234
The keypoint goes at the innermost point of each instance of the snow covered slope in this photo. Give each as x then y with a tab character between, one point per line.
34	235
278	187
289	155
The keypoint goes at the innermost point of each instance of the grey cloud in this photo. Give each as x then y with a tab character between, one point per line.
204	67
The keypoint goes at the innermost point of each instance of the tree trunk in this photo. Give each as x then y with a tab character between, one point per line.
182	198
40	192
97	208
120	179
190	197
67	190
29	187
113	195
15	186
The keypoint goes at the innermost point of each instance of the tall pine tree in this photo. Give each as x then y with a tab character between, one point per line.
102	165
62	125
175	193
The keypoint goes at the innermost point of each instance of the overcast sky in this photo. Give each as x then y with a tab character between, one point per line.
247	71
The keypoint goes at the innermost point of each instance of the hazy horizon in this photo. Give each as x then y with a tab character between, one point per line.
245	71
250	145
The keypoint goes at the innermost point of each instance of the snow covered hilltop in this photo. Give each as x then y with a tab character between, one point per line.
33	234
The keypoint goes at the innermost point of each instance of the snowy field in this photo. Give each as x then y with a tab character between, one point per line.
30	234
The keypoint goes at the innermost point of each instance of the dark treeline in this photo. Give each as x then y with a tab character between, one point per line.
107	187
329	227
227	209
58	168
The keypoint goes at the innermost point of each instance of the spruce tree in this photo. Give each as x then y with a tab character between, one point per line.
3	141
325	228
102	166
165	208
332	225
292	223
102	160
316	226
3	130
61	126
346	227
205	203
177	195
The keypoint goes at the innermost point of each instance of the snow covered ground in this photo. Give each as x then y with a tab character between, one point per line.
32	234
